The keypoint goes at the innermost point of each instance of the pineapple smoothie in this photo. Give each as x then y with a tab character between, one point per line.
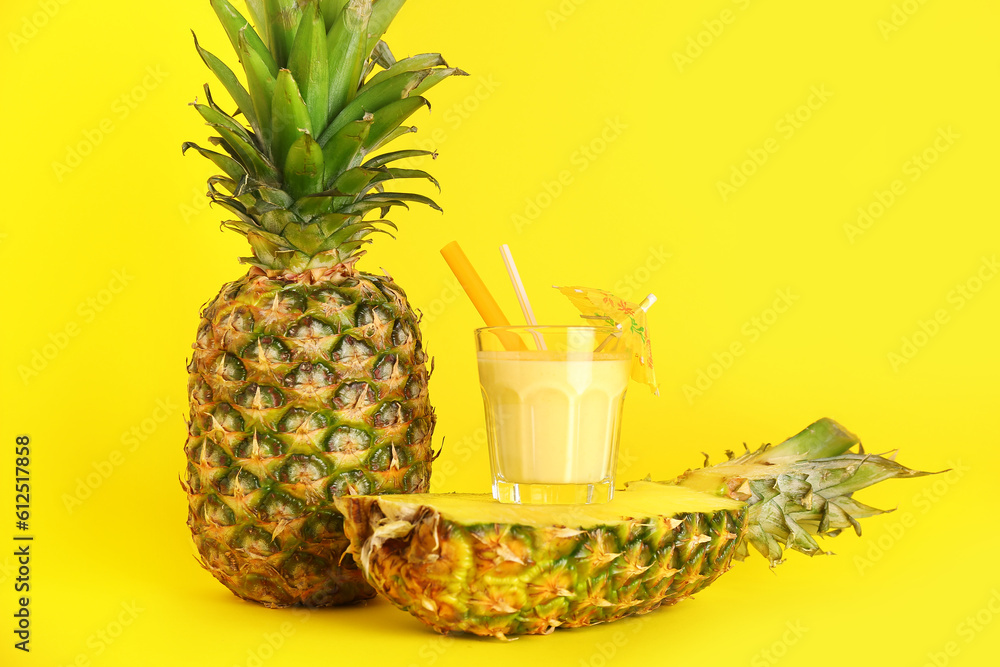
553	417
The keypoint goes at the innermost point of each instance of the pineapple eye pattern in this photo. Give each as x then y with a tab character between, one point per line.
390	414
193	478
205	334
400	333
302	469
416	479
298	419
228	418
241	319
210	454
267	447
199	390
230	368
310	327
217	512
414	386
304	564
258	397
270	347
277	506
355	394
384	458
256	540
351	350
328	295
238	482
417	431
353	482
364	316
322	524
347	440
285	302
383	367
316	375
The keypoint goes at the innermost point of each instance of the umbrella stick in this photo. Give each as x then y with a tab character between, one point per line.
644	306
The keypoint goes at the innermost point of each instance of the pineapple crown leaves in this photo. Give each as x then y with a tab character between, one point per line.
801	488
306	167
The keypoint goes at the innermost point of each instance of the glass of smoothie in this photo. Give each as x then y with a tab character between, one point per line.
553	397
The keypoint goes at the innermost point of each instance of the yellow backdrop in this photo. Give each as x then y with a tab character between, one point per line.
809	189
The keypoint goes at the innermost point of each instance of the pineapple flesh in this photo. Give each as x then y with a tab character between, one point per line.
467	563
308	379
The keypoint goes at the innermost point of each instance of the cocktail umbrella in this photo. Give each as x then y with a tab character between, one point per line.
599	305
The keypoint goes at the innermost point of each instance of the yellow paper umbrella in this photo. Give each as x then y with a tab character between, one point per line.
600	305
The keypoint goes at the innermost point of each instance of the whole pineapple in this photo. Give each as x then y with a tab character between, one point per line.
308	379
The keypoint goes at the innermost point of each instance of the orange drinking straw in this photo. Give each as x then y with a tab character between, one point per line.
480	296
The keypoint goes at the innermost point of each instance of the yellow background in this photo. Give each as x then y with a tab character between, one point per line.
550	80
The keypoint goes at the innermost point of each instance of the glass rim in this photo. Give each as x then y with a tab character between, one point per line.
566	327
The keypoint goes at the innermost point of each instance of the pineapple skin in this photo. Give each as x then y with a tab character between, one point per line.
302	387
507	579
529	575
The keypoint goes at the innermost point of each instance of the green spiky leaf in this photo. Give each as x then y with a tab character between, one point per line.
308	65
383	12
304	167
344	149
228	165
289	117
386	158
283	17
389	118
373	99
392	198
232	84
236	26
346	45
260	84
411	64
390	173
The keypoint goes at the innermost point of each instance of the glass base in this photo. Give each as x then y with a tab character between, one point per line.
553	494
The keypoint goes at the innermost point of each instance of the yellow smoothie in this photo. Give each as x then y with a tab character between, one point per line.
555	416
